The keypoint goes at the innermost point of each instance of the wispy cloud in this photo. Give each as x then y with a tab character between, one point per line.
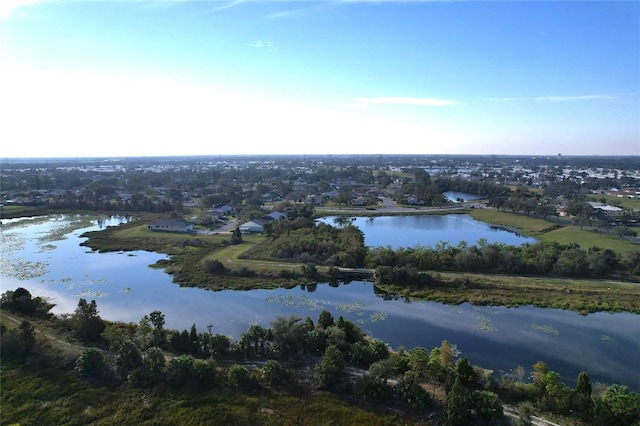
264	44
9	7
399	100
283	14
555	99
550	99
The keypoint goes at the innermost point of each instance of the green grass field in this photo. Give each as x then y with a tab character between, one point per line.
528	225
628	203
586	239
550	231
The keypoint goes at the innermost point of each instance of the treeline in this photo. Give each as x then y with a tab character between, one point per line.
485	188
303	240
148	356
137	203
541	258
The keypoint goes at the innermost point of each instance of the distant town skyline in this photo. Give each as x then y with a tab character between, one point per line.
189	77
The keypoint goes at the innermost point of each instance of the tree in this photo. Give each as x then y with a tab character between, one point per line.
86	321
465	372
370	388
193	344
90	364
458	404
240	377
272	373
383	369
446	353
419	361
27	334
583	385
617	407
236	236
525	411
487	405
325	320
330	368
159	333
128	358
20	300
412	393
288	334
180	370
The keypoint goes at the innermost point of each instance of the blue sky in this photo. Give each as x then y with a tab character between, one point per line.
196	77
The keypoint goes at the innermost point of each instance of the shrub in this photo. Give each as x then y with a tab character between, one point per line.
371	389
90	364
213	266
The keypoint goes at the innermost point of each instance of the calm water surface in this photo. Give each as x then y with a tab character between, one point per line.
125	288
409	231
454	196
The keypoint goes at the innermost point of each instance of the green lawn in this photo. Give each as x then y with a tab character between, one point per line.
565	234
628	203
586	239
528	225
17	211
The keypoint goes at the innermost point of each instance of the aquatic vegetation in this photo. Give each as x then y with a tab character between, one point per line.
298	301
11	242
483	323
60	232
47	247
378	316
350	307
545	329
23	269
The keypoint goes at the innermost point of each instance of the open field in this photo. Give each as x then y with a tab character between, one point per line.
628	203
563	234
589	238
8	212
528	225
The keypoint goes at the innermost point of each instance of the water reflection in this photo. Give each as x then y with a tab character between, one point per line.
125	288
409	231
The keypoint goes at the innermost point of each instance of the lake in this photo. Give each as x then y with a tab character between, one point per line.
454	196
44	256
428	230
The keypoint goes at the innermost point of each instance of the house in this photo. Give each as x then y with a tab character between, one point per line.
276	215
359	201
604	207
171	225
253	226
221	211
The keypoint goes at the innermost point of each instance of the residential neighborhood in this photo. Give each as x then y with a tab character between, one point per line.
250	191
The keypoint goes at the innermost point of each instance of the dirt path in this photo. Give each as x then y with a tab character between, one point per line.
54	339
511	412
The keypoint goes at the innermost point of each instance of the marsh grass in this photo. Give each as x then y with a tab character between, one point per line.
582	296
51	396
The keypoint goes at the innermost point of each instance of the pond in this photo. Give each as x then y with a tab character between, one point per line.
455	196
429	230
45	257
